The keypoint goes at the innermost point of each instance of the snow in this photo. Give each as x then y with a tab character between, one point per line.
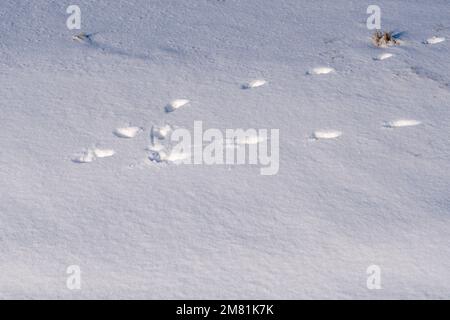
322	70
327	134
104	153
86	157
435	40
249	140
127	132
384	56
176	104
255	84
152	229
161	132
402	123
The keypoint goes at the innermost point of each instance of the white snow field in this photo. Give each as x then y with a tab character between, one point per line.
376	195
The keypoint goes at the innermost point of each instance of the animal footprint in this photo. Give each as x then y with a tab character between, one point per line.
249	140
103	153
321	70
157	156
127	132
172	157
435	40
254	84
91	155
161	132
156	147
177	157
326	134
86	157
402	123
82	37
176	104
384	56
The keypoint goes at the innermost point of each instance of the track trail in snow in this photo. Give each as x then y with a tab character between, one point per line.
158	152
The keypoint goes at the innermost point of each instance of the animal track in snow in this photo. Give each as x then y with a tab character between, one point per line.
157	156
326	134
254	84
176	104
160	133
127	132
103	153
242	142
435	40
176	156
91	155
172	157
156	147
82	37
384	56
87	157
321	70
402	123
249	140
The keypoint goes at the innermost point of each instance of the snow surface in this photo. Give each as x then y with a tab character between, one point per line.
140	229
384	56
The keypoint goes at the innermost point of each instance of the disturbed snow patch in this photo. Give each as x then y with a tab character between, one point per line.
103	153
402	123
243	141
156	147
127	132
254	84
172	157
435	40
86	157
161	133
321	70
384	56
177	156
91	155
326	134
176	104
249	140
82	37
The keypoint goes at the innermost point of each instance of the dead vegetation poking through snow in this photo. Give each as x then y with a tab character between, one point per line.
384	39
